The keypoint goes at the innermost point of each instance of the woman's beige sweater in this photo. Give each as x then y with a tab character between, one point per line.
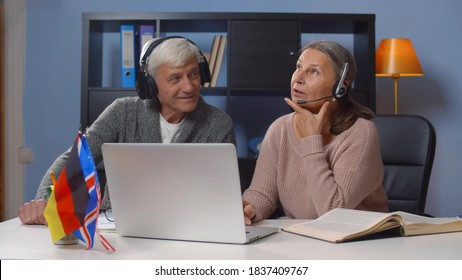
308	179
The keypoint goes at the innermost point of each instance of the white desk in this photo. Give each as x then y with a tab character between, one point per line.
19	241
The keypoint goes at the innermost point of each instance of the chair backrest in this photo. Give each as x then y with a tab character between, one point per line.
407	144
246	170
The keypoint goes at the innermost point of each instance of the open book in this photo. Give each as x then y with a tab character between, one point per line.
339	225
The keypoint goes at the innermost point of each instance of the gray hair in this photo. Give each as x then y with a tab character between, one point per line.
337	55
174	52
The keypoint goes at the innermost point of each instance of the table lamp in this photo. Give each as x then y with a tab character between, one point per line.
394	58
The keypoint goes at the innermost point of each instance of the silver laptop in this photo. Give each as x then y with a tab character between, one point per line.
178	191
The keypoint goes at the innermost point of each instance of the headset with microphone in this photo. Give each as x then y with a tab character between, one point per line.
146	85
338	90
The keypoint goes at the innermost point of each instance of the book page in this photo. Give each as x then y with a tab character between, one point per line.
348	220
416	225
341	224
412	218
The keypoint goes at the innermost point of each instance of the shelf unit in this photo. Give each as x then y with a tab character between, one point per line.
259	58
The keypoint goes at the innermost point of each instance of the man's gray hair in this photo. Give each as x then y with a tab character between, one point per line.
174	52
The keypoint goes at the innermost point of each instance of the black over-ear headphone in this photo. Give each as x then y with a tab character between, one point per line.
146	85
340	89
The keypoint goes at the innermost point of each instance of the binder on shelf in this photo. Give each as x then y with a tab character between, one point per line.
146	33
143	34
213	56
219	59
127	54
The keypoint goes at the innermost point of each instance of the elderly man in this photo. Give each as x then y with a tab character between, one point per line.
169	109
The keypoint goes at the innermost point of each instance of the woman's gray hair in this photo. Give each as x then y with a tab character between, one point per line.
174	52
337	55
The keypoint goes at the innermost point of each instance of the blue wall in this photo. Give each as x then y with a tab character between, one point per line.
53	61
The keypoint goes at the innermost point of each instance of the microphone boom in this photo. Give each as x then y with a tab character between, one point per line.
303	101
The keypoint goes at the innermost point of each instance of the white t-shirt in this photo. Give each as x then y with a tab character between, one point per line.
169	131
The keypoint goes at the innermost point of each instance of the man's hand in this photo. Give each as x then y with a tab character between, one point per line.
31	213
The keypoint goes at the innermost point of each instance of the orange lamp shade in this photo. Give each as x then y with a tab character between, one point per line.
396	57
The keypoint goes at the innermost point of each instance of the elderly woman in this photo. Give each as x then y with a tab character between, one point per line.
326	153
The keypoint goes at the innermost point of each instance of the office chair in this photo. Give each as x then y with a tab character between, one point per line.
254	145
246	170
407	144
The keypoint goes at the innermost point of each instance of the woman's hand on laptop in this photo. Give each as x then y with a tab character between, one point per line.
249	212
31	213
